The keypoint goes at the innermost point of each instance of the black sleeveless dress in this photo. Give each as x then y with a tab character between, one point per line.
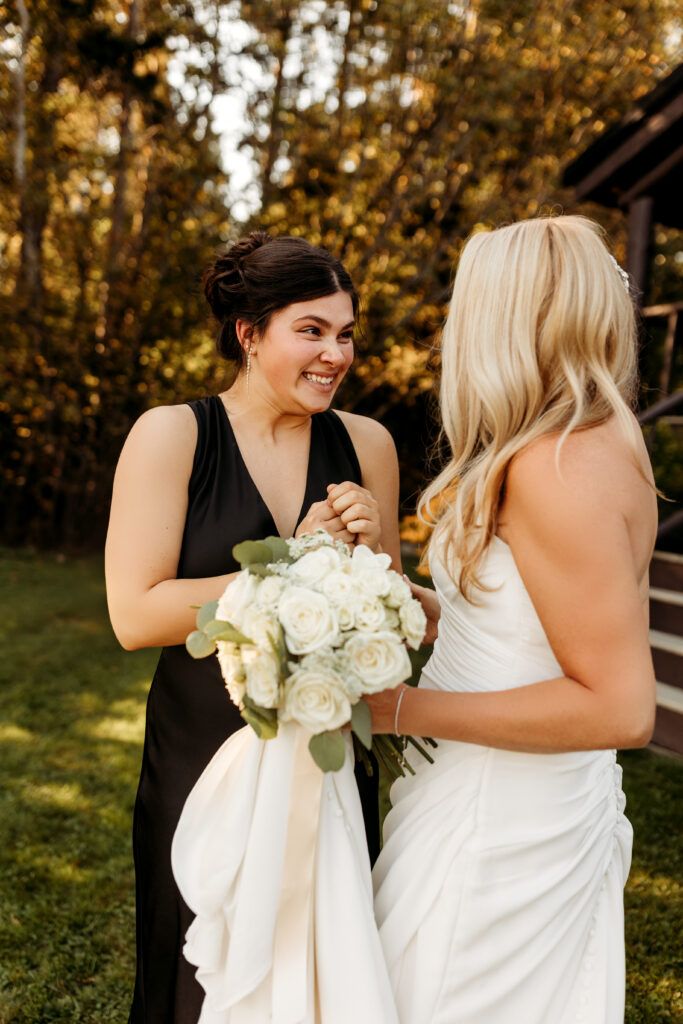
189	713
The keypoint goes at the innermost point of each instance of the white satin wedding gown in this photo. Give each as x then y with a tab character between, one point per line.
499	888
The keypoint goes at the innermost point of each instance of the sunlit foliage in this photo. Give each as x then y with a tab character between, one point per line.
385	131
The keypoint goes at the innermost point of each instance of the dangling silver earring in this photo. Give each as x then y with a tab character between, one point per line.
248	366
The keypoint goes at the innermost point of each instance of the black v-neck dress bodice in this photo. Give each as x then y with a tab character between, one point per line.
189	713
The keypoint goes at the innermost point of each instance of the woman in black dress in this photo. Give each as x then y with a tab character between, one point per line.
267	456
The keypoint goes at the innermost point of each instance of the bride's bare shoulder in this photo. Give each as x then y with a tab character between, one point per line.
597	482
602	457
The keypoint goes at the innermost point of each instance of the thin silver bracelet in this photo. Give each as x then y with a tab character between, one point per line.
398	708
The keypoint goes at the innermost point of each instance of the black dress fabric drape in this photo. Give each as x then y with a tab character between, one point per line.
189	713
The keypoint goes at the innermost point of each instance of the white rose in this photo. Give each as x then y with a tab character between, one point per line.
315	698
392	620
363	558
239	594
369	614
380	660
370	570
270	591
232	670
308	620
259	624
262	676
399	591
339	585
314	566
345	614
352	683
413	622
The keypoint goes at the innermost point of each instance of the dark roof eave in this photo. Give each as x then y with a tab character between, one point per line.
618	136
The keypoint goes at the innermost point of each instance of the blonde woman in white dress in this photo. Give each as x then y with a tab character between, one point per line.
499	890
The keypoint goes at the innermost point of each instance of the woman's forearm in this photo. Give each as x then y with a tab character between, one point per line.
164	615
547	717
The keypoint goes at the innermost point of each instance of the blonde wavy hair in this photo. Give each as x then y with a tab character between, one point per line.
540	339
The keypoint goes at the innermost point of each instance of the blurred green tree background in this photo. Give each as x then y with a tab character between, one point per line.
385	131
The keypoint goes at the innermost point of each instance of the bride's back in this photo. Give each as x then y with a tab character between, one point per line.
599	462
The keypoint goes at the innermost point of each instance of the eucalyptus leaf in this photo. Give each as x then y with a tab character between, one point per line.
250	551
263	721
206	614
279	650
361	723
279	549
251	719
268	729
199	645
220	630
328	750
259	569
266	713
266	717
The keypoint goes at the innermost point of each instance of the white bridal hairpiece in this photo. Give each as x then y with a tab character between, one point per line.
622	273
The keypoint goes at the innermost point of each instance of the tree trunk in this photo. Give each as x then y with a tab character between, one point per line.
29	285
116	251
284	29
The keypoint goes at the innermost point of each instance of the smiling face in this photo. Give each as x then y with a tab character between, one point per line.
304	353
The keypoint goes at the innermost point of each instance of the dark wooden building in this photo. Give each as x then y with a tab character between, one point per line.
637	166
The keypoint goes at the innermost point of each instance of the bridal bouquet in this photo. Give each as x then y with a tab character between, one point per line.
303	631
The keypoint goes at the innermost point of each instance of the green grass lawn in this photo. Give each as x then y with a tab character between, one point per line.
71	726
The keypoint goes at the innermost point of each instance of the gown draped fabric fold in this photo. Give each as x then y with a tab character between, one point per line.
499	888
189	714
270	854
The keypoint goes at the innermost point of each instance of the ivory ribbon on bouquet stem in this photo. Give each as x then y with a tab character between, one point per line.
270	855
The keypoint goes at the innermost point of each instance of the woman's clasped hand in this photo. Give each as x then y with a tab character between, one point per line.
349	513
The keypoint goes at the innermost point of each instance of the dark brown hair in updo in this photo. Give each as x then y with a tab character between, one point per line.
260	275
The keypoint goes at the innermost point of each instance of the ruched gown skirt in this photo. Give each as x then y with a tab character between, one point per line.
499	891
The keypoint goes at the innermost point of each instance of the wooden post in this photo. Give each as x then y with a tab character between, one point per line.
667	360
639	238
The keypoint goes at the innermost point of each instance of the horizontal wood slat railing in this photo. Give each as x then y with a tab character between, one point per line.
650	416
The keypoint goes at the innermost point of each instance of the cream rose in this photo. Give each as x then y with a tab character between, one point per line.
413	622
352	683
392	620
399	591
232	670
270	591
315	698
314	566
237	597
339	586
370	570
258	624
380	660
369	613
345	613
308	620
262	676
